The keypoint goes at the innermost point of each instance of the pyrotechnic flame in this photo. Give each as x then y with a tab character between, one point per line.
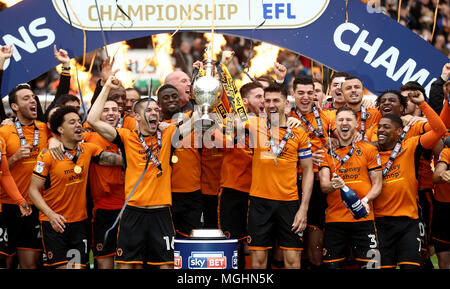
10	3
84	78
119	50
261	63
218	42
162	61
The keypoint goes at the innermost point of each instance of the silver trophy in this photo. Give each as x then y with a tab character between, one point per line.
206	91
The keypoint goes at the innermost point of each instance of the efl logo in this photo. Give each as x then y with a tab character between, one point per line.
178	260
207	260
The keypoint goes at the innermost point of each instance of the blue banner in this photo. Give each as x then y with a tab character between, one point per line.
370	45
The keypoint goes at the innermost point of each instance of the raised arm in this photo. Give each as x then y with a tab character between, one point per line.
438	129
104	129
5	53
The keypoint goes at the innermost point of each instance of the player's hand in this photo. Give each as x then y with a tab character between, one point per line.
445	176
293	122
227	57
416	97
163	125
368	103
337	182
62	56
317	157
112	82
300	222
197	65
357	137
107	71
280	71
25	209
445	71
7	121
57	221
366	206
22	153
56	148
6	52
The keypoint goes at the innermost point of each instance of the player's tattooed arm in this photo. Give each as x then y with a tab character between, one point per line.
109	159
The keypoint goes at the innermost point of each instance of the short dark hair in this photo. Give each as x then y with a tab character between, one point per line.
339	74
12	96
346	108
302	81
164	87
275	87
413	85
266	78
403	101
320	82
394	119
246	88
351	77
141	101
65	98
57	118
133	88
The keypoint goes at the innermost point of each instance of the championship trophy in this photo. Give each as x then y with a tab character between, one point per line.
206	91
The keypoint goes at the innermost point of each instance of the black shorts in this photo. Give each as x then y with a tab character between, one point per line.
440	229
210	211
145	235
338	236
69	247
270	220
187	211
317	205
23	232
102	221
426	201
3	236
399	241
233	212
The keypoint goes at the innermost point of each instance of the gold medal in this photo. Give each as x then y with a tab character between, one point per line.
159	174
174	159
77	169
343	170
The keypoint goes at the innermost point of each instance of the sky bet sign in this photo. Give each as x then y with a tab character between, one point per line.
369	45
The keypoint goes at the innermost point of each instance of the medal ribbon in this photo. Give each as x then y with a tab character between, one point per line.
23	141
149	151
319	131
395	151
364	116
346	157
71	157
277	149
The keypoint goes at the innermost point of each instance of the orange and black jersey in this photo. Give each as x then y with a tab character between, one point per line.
355	173
442	191
212	160
316	142
64	188
187	156
277	181
6	180
23	169
152	190
399	193
106	182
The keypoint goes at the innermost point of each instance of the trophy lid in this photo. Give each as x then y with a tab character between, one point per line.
215	234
